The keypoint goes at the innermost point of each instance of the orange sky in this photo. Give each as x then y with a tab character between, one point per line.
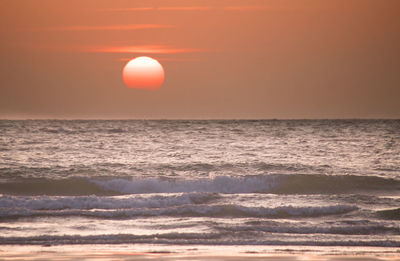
222	58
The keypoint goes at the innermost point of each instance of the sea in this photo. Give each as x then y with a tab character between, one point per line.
330	186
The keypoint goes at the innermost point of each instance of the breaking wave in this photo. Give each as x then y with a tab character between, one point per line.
273	183
393	214
95	202
187	239
186	210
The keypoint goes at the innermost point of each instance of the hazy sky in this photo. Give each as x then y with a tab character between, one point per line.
222	58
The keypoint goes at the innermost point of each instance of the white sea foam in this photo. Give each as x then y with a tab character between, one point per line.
190	238
202	210
96	202
342	229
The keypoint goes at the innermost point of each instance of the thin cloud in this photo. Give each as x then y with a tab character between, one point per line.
123	49
193	8
142	49
128	27
161	8
163	59
246	8
130	9
184	8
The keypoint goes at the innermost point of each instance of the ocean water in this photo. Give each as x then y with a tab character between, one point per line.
308	183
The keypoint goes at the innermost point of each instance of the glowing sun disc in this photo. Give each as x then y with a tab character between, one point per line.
143	73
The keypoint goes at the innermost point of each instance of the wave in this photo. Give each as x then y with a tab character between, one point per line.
187	239
43	186
95	202
80	130
335	184
343	229
219	184
203	210
393	214
273	183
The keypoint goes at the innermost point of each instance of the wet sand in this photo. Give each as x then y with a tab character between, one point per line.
95	252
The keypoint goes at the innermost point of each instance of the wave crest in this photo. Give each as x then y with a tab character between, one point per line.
203	210
272	183
188	238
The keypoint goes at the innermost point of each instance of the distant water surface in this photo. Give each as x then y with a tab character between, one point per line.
314	183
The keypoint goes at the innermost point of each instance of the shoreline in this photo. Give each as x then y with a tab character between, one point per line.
195	253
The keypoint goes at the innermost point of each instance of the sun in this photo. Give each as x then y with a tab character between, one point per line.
143	73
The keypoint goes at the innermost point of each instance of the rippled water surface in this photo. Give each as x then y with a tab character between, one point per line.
265	183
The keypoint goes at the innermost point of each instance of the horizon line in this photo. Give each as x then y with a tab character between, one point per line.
191	119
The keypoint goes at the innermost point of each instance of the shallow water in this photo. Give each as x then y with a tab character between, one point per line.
251	183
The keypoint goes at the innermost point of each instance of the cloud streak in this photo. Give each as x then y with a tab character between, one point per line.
185	8
123	49
161	8
191	8
128	27
164	59
246	8
142	49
